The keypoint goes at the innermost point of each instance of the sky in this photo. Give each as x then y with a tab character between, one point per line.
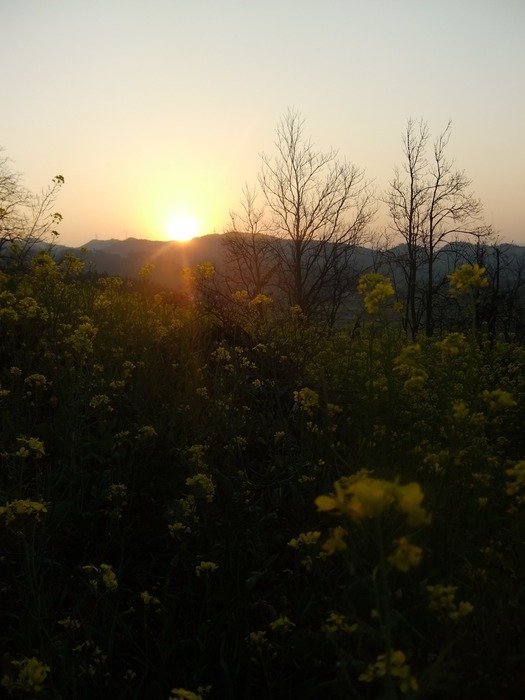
156	111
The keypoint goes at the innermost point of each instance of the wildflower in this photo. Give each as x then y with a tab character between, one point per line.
100	400
30	446
145	272
82	339
178	528
260	300
282	624
460	411
146	431
467	277
257	639
205	566
360	497
517	472
306	400
416	381
406	556
453	344
204	484
394	666
335	542
38	381
335	622
498	400
196	456
31	674
117	492
183	694
305	539
109	577
23	507
442	598
149	599
105	573
221	354
374	288
69	623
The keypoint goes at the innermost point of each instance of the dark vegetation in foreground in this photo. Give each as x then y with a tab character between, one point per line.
170	523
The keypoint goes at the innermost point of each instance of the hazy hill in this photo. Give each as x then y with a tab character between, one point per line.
126	257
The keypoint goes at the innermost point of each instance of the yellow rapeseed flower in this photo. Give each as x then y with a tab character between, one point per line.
467	277
374	288
394	666
23	507
282	624
406	555
361	497
31	674
206	567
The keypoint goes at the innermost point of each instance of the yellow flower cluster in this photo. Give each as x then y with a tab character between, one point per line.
206	567
498	400
360	497
23	507
183	694
257	639
105	573
282	624
517	472
395	666
306	399
69	623
467	277
336	622
261	300
117	492
305	539
443	600
336	541
30	676
149	599
178	528
30	446
453	344
374	288
37	381
100	400
146	431
204	483
408	363
81	340
406	556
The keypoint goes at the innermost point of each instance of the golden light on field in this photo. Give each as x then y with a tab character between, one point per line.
182	227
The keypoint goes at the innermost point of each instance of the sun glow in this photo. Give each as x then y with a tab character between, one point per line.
183	227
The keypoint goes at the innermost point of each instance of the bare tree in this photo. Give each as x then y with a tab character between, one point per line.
249	256
25	218
315	212
430	205
318	211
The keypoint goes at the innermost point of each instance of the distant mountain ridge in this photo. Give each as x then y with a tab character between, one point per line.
126	257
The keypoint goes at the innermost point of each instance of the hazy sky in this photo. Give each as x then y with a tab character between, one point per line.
157	108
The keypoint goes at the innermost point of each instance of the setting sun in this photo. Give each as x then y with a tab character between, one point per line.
182	228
